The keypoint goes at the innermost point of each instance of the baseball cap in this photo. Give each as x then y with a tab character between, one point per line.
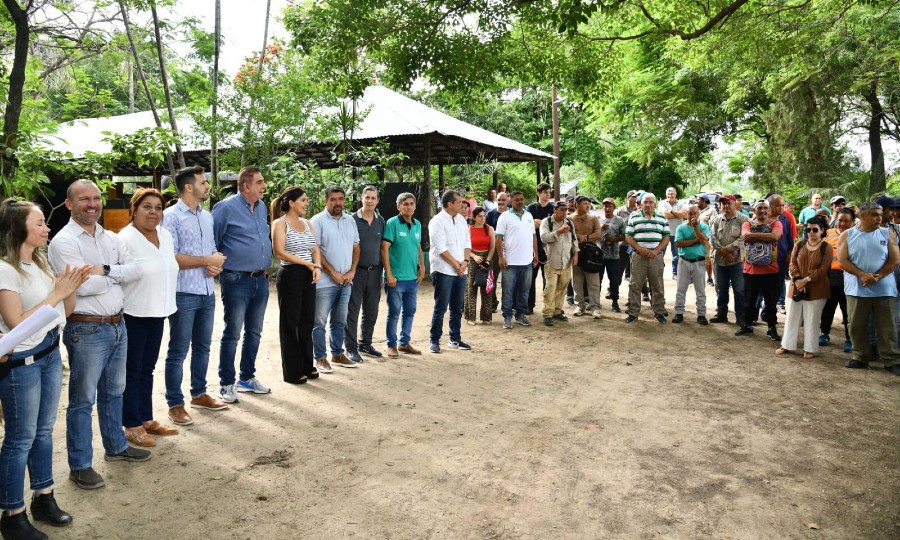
704	196
886	202
609	200
631	193
761	202
561	204
737	196
728	198
837	198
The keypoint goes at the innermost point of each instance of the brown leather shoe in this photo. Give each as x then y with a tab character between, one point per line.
392	352
408	349
206	401
180	416
342	361
138	436
156	428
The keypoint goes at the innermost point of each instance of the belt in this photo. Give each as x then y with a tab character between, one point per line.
244	273
374	267
96	319
698	259
8	366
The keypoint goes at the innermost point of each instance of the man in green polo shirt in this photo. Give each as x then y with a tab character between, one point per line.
404	269
692	242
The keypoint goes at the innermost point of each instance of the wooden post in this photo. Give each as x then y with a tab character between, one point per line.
555	115
495	177
441	185
537	170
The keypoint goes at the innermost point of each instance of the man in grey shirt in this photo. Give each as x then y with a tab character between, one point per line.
366	290
612	235
338	240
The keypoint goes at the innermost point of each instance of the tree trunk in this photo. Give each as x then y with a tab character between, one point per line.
14	97
165	82
214	143
877	178
259	68
140	70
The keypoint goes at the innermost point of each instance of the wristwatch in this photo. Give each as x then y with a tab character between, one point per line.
106	269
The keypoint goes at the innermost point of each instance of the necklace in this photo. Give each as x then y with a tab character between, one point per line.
812	247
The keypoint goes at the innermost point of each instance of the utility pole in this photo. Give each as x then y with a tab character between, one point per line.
555	114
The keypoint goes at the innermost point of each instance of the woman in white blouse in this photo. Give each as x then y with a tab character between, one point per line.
148	301
31	377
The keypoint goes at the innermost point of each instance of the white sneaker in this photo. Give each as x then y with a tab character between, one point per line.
578	311
597	314
228	394
253	385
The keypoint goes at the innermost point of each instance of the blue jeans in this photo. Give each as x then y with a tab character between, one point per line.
97	361
450	291
401	299
331	308
730	276
144	340
516	281
189	328
30	398
244	299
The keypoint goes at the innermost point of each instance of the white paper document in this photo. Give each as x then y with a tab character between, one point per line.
37	321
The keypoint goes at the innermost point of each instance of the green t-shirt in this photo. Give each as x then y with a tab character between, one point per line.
686	232
405	240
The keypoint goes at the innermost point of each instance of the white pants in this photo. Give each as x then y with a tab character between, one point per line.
691	273
808	311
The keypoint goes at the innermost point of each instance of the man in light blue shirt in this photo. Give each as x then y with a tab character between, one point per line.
338	239
241	231
191	326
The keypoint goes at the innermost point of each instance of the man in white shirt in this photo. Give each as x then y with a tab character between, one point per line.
449	257
95	335
517	252
675	212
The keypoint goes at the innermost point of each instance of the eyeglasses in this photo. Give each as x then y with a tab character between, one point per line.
815	230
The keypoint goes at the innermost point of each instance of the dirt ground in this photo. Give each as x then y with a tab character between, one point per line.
590	429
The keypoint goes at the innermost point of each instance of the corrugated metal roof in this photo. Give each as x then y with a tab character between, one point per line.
388	115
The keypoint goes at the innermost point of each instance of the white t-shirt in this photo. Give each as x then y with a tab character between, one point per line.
518	237
32	289
154	294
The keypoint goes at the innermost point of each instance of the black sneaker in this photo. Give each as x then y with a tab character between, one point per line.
679	318
615	307
369	350
44	508
858	364
661	319
744	331
772	332
130	454
523	320
548	321
719	319
630	319
87	478
561	317
355	357
646	297
702	321
893	368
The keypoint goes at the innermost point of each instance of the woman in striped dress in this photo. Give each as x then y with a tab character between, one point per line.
294	243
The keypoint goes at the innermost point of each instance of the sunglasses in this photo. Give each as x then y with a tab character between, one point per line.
815	230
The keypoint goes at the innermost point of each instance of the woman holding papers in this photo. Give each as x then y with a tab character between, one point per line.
30	391
148	301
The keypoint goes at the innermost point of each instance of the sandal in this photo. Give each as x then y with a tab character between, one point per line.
781	350
808	355
156	428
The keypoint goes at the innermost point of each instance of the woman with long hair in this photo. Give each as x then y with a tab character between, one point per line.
294	243
810	264
148	302
483	244
30	391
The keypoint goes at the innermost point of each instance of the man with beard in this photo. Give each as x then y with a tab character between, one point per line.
338	239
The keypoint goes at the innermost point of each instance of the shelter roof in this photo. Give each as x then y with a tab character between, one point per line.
412	128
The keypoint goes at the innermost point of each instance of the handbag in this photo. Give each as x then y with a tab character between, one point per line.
590	258
480	279
489	287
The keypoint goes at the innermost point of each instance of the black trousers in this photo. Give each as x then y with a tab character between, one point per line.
297	310
770	287
531	293
836	299
365	294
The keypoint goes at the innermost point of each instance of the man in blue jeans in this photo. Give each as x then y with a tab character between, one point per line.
241	232
451	248
191	326
404	269
725	239
338	239
518	255
94	335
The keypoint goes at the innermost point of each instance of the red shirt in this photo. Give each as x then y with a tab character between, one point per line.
757	269
481	240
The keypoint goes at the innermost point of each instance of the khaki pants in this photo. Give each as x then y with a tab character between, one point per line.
555	290
881	309
579	277
642	270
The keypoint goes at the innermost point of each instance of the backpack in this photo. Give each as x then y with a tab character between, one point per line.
761	253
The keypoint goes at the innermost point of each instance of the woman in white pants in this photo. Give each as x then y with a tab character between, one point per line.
810	264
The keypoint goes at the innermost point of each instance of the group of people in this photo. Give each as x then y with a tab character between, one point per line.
114	292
